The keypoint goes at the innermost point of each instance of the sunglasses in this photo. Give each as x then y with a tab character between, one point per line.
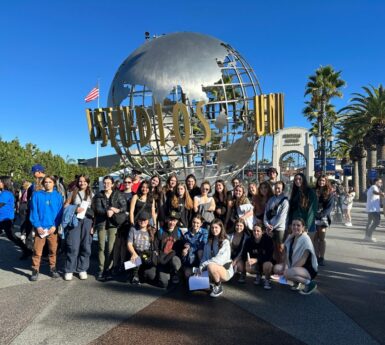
128	182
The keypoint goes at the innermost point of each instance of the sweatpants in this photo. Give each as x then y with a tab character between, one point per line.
78	247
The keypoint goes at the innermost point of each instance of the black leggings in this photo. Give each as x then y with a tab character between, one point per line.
7	226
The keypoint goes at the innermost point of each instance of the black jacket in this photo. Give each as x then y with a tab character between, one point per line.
101	204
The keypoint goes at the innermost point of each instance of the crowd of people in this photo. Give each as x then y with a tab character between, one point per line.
177	230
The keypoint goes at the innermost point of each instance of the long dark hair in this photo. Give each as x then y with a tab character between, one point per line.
7	182
324	191
76	189
300	194
222	235
157	191
193	177
216	195
149	195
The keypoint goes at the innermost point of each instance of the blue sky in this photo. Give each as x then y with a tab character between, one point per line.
52	53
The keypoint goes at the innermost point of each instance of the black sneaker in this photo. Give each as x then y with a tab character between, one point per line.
217	290
108	275
321	262
54	273
100	277
35	275
175	279
309	288
135	281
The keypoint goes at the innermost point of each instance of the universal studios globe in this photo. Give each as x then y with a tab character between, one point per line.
208	77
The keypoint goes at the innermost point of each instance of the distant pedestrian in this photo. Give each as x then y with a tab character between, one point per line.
7	213
347	206
373	208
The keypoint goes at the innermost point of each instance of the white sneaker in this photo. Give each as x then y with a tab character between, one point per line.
348	224
68	276
83	275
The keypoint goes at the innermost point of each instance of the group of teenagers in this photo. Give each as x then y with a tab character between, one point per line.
179	229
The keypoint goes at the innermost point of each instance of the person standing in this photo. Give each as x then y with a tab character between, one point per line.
303	203
106	204
347	206
192	188
79	238
46	211
373	208
275	219
120	246
221	200
38	173
7	212
323	219
136	180
204	204
272	173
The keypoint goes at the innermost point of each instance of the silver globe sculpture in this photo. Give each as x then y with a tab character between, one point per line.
188	68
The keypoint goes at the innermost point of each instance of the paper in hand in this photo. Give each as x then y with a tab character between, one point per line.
199	282
84	205
129	264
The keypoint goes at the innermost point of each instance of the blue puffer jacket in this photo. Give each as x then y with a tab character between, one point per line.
69	219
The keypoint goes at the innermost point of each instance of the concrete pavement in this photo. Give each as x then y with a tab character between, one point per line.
348	307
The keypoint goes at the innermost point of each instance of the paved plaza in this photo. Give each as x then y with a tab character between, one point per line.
347	308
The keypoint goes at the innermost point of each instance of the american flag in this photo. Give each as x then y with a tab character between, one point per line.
94	94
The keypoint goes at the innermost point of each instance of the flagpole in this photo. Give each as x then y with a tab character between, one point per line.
97	142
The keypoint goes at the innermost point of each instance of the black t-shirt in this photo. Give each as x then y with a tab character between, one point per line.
262	251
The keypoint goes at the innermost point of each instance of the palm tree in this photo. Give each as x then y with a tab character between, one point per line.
322	87
349	145
369	111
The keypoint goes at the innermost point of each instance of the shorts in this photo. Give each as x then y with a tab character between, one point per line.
278	236
309	267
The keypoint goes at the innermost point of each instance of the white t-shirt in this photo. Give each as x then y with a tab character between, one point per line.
373	200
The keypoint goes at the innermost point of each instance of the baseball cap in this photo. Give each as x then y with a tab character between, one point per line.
174	215
144	216
37	167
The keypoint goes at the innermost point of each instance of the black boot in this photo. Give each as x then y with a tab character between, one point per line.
35	275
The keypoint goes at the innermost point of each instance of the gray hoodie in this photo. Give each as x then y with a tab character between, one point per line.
279	220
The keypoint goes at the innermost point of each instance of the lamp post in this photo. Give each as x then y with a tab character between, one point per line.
322	135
